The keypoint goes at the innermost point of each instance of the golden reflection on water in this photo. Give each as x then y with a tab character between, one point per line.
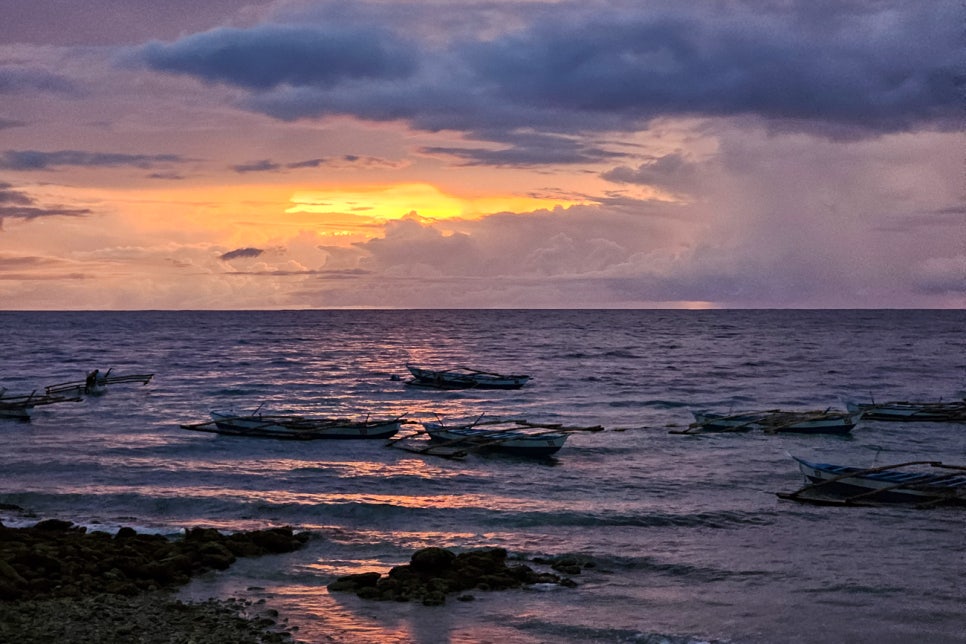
410	467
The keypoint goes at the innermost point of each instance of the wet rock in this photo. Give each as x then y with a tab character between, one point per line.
354	583
566	564
431	561
57	525
434	572
58	559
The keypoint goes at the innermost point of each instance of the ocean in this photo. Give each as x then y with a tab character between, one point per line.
687	539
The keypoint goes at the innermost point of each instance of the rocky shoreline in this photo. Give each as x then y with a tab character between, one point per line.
434	573
61	583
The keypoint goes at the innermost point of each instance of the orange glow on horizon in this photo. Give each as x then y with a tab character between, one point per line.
387	202
260	213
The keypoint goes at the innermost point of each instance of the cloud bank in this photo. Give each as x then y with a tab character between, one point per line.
847	70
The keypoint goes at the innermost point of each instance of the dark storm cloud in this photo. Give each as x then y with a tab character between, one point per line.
885	69
242	252
842	69
16	204
36	160
264	57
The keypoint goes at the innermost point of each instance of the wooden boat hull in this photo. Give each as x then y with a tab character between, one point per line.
510	442
913	412
777	422
14	412
855	485
296	427
464	379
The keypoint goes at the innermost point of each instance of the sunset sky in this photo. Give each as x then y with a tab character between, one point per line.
253	154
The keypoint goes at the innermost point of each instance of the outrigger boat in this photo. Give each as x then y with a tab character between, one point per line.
511	436
296	427
19	407
774	421
939	484
463	378
953	411
95	384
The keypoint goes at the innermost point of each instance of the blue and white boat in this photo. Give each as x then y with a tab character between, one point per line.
509	436
930	483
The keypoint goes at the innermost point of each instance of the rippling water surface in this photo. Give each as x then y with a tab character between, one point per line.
687	538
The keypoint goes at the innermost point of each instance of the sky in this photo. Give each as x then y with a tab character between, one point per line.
294	154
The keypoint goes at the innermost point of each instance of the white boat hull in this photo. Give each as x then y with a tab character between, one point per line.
515	442
464	379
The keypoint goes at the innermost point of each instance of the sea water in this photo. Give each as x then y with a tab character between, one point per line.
686	538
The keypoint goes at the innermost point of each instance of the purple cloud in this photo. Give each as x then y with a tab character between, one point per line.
36	160
262	165
16	204
14	79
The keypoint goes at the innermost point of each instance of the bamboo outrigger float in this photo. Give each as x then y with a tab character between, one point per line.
933	412
511	436
934	483
19	407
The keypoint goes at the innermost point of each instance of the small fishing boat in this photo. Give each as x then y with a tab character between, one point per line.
932	483
512	442
774	421
296	427
519	437
95	383
463	378
19	407
953	411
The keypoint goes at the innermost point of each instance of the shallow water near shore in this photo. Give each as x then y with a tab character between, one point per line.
686	539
